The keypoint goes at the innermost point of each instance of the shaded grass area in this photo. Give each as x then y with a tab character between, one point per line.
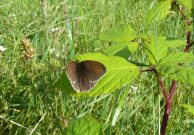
26	95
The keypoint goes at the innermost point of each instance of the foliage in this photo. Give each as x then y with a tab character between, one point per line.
84	126
114	49
121	33
159	12
61	31
114	77
160	52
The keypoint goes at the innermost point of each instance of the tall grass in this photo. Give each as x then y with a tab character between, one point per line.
29	105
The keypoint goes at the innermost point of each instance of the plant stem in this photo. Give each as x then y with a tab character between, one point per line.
187	47
169	98
168	108
173	85
180	10
165	118
189	22
162	87
148	70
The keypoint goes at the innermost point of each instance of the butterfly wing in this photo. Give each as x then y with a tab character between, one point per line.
93	69
84	75
72	74
84	83
91	72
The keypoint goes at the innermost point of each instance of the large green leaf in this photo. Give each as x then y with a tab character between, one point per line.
112	50
183	74
186	3
121	33
159	12
189	108
178	57
156	49
84	126
119	72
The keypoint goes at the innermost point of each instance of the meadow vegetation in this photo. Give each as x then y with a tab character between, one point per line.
36	35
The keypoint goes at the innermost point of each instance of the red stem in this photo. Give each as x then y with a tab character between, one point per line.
165	118
173	85
168	98
168	108
148	70
172	89
188	22
189	44
163	88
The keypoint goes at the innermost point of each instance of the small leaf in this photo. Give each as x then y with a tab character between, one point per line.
159	12
124	53
189	108
178	57
84	126
186	3
121	33
112	50
63	84
119	73
156	49
183	74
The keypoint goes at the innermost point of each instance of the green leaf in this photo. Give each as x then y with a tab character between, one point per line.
183	74
112	50
63	84
124	53
178	57
133	47
174	43
159	12
186	3
189	108
84	126
121	33
156	49
119	73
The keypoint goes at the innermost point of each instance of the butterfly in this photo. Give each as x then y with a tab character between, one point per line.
84	75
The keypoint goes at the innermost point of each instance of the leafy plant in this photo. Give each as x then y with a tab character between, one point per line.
162	59
114	77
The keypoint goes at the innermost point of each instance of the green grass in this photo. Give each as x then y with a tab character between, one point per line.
27	100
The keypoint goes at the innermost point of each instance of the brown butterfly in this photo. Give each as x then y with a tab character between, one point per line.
84	75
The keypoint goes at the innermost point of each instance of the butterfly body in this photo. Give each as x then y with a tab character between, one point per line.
84	75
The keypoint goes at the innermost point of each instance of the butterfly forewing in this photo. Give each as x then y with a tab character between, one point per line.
93	70
72	74
84	75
